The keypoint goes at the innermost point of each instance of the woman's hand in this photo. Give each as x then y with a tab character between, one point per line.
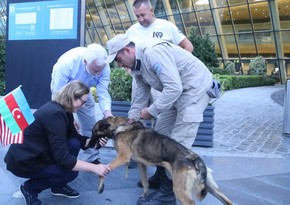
96	143
102	170
102	142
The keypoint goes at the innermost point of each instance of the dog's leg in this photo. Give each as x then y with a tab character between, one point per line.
144	180
118	161
183	183
122	158
101	186
213	188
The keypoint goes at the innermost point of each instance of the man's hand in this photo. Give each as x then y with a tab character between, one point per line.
107	114
144	114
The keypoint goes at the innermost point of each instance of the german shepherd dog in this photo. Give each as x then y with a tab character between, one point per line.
189	172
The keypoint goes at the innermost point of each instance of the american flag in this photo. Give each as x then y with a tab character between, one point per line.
6	136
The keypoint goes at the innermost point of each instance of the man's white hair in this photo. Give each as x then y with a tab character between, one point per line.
95	52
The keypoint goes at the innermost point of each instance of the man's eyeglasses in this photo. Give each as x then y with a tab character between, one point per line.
83	101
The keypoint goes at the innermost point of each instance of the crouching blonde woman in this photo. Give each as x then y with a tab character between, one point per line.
48	155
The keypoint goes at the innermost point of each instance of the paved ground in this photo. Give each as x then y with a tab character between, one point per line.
250	157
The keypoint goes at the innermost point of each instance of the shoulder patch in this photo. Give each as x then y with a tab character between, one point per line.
157	67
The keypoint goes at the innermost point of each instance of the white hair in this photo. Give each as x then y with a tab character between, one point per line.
95	52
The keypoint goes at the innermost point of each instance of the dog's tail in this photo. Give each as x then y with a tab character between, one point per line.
213	188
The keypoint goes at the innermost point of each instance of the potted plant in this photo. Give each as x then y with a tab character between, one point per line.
120	89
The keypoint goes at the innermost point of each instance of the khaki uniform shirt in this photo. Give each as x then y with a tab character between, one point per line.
180	77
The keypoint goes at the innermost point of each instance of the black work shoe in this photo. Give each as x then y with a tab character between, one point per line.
162	196
132	164
30	199
65	191
154	182
96	161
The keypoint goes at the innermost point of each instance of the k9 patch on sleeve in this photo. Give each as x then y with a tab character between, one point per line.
157	67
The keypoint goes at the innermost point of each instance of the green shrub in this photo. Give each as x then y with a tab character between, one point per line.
230	67
257	66
219	71
120	87
230	82
203	48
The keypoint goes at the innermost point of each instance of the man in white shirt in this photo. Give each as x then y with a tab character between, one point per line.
149	27
86	64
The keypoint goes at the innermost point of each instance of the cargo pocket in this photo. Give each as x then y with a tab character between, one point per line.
190	115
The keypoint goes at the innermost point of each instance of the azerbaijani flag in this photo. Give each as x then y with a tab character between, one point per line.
15	111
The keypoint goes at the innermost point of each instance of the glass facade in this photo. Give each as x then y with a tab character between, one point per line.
240	29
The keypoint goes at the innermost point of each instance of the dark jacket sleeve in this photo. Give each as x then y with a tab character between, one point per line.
58	127
73	132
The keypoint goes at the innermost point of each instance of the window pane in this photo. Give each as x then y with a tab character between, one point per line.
241	15
247	44
284	13
235	2
261	17
225	18
123	12
286	42
231	46
214	40
189	19
266	45
159	8
186	5
205	21
200	5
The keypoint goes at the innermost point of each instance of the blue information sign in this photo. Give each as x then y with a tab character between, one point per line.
43	20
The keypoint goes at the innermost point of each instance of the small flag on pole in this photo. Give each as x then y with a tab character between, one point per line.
15	116
6	136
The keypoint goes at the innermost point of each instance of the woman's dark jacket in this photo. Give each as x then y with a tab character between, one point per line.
45	142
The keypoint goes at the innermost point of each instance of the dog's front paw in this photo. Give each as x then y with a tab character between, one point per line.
101	189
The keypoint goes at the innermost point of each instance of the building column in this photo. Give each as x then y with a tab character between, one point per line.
273	5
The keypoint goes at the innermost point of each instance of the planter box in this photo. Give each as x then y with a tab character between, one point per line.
205	132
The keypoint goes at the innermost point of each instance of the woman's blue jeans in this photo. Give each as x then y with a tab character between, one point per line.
54	175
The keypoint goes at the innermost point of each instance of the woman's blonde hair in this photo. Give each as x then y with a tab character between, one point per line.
71	91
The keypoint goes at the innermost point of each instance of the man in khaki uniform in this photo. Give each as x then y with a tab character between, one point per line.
183	81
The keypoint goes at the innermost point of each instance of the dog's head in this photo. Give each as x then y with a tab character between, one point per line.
107	127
